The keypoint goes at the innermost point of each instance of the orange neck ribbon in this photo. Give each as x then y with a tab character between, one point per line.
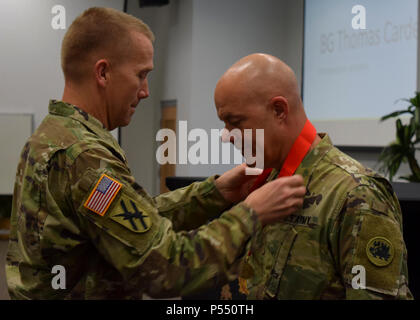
295	156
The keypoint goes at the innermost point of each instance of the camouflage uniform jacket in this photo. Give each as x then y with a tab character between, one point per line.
350	217
158	246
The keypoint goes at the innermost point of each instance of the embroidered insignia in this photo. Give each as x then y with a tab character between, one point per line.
135	220
246	272
380	251
243	286
102	195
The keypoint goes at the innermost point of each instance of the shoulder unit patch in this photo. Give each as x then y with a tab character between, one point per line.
130	216
380	251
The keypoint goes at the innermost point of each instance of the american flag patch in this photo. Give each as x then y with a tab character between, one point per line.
102	195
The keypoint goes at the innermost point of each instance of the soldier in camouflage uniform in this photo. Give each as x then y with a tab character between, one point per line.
350	225
77	205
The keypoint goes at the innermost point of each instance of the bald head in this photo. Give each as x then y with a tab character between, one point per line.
259	77
261	92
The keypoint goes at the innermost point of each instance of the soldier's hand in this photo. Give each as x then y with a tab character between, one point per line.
234	184
277	199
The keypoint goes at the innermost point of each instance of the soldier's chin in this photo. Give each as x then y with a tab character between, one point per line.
125	122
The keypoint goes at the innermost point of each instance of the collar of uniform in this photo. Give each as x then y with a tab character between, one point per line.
311	160
65	109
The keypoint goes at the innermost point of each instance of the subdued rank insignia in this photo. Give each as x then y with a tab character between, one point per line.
102	195
243	286
380	251
128	215
246	272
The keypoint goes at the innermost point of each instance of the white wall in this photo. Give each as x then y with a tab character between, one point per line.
30	66
30	69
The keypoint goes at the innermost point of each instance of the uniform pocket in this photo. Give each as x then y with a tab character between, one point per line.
280	263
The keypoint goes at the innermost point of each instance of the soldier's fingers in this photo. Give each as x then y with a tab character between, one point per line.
287	193
292	203
277	216
284	182
238	170
296	180
253	171
299	191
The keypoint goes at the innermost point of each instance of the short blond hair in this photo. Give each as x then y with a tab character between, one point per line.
102	31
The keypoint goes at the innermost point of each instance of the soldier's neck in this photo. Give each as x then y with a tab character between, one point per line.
313	145
85	102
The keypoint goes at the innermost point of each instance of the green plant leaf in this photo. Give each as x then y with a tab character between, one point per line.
395	114
407	178
417	123
409	131
390	159
403	149
415	100
400	131
412	129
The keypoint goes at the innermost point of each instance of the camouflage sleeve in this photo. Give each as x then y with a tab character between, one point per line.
135	239
192	206
368	242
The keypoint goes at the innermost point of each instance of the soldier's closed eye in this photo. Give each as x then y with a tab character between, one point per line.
235	122
142	75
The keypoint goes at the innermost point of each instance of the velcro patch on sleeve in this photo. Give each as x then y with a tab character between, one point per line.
380	250
102	194
130	214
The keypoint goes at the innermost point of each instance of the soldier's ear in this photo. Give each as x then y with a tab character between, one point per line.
102	72
280	107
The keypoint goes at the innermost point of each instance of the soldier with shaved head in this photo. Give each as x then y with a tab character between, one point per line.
347	241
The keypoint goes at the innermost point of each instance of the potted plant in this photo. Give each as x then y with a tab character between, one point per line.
404	148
